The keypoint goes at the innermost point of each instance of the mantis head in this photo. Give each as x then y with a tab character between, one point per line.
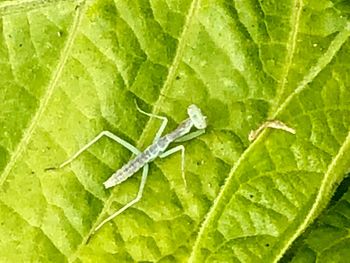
197	117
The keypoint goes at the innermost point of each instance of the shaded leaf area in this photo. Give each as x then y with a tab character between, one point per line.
73	69
327	240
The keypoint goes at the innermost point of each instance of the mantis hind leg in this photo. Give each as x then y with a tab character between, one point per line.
129	147
132	202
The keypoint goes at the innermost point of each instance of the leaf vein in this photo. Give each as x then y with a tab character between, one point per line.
323	61
326	185
33	226
291	44
166	86
44	101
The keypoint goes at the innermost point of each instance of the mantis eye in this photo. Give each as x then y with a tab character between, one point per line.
197	117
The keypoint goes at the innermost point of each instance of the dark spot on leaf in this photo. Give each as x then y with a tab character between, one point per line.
267	245
20	45
178	77
251	196
50	168
200	162
341	189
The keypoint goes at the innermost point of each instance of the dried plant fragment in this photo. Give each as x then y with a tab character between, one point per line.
274	124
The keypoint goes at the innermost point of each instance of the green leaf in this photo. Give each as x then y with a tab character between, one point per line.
327	240
70	70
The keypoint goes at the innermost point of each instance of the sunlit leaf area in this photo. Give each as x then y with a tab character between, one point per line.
70	69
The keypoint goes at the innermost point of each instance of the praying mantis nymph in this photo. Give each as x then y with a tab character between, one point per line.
158	148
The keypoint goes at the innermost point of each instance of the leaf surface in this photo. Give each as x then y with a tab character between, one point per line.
73	69
327	240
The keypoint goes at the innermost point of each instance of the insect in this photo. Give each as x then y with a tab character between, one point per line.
158	148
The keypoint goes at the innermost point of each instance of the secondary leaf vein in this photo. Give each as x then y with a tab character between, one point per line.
290	50
221	199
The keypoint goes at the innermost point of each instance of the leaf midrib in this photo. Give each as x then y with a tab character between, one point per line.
46	98
326	185
322	62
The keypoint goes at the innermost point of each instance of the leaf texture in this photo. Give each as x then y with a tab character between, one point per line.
327	240
73	69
